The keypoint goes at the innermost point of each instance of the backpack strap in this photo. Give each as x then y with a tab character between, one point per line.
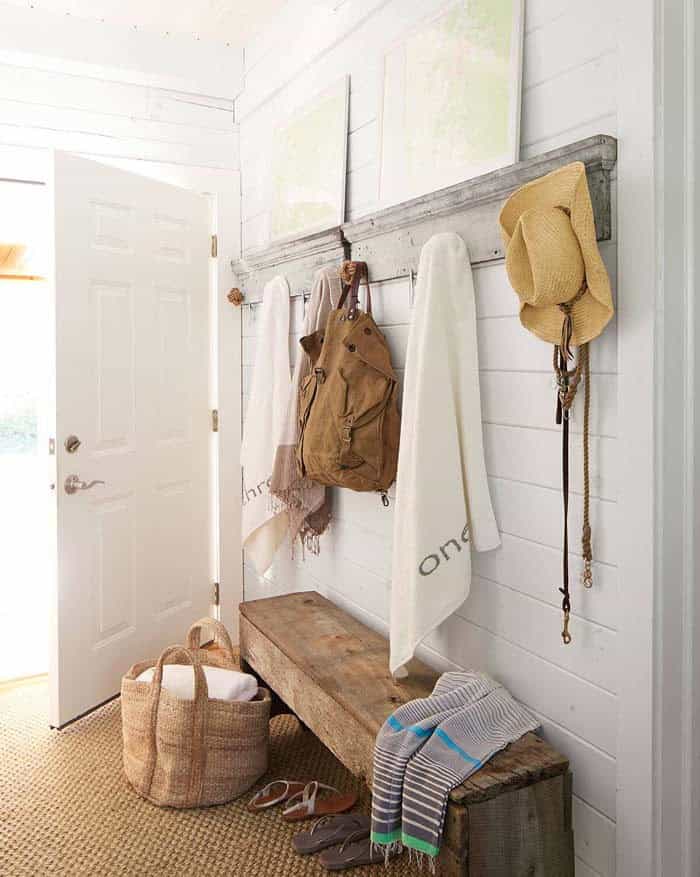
352	275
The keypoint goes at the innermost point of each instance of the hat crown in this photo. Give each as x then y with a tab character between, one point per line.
544	260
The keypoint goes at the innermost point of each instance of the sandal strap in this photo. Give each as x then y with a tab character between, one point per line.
360	834
307	797
324	821
264	792
319	823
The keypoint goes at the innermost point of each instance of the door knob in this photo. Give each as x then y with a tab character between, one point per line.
74	483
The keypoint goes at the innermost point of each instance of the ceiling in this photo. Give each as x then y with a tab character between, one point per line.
228	21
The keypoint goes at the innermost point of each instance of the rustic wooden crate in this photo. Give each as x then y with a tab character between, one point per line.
512	818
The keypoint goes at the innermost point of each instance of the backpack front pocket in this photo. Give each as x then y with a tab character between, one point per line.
360	397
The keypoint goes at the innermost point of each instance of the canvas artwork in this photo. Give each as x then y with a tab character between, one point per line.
451	99
308	166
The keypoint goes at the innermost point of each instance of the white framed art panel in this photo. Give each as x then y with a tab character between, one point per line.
308	166
450	98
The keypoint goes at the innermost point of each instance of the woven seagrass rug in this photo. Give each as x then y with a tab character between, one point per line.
65	807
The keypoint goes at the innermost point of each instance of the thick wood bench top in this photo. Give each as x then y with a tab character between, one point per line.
333	671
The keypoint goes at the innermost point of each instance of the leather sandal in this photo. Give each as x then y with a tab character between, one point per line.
356	850
267	797
306	804
329	831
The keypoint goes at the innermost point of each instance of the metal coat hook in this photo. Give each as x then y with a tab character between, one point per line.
253	310
304	302
411	289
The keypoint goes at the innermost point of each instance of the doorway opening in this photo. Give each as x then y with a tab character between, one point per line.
25	375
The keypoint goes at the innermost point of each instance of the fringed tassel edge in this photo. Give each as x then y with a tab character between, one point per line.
387	850
415	857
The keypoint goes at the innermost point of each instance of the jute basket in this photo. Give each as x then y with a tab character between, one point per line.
180	753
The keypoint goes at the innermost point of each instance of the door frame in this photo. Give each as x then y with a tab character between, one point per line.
658	766
677	420
25	166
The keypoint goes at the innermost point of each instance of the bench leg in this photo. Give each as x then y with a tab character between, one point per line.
277	706
524	832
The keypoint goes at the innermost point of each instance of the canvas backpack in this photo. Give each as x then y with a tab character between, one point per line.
348	413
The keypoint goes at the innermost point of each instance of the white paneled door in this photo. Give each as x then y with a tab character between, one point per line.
133	427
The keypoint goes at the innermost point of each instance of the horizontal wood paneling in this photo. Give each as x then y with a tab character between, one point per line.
62	90
539	13
595	837
534	512
510	625
219	144
528	455
535	569
114	147
566	42
579	95
535	627
526	399
584	870
504	346
105	118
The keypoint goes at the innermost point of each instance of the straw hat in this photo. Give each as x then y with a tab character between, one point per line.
552	257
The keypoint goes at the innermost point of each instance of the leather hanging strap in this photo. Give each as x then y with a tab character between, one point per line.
352	274
563	418
568	381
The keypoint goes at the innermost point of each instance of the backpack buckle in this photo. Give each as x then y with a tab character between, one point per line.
347	430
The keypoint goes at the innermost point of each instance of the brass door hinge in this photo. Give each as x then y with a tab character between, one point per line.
215	420
214	246
215	594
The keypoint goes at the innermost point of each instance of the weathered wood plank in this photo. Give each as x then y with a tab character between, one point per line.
332	670
524	832
511	817
390	240
298	260
598	153
347	739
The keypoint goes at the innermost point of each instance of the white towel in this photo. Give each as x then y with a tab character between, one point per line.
229	685
264	526
443	506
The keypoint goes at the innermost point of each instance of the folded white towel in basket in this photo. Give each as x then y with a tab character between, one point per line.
228	685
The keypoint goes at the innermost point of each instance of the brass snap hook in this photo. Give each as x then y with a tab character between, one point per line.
587	574
565	635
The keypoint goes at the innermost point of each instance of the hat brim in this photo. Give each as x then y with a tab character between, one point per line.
589	318
567	188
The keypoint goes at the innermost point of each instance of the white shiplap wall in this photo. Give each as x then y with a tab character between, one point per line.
111	119
510	624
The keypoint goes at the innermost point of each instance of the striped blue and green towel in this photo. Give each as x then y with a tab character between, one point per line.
430	746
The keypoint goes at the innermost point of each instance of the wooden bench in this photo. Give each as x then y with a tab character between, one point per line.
512	818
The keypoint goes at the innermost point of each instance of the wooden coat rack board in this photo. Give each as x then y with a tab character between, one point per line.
390	241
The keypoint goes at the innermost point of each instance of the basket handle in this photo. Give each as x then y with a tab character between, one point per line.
221	635
199	715
201	690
